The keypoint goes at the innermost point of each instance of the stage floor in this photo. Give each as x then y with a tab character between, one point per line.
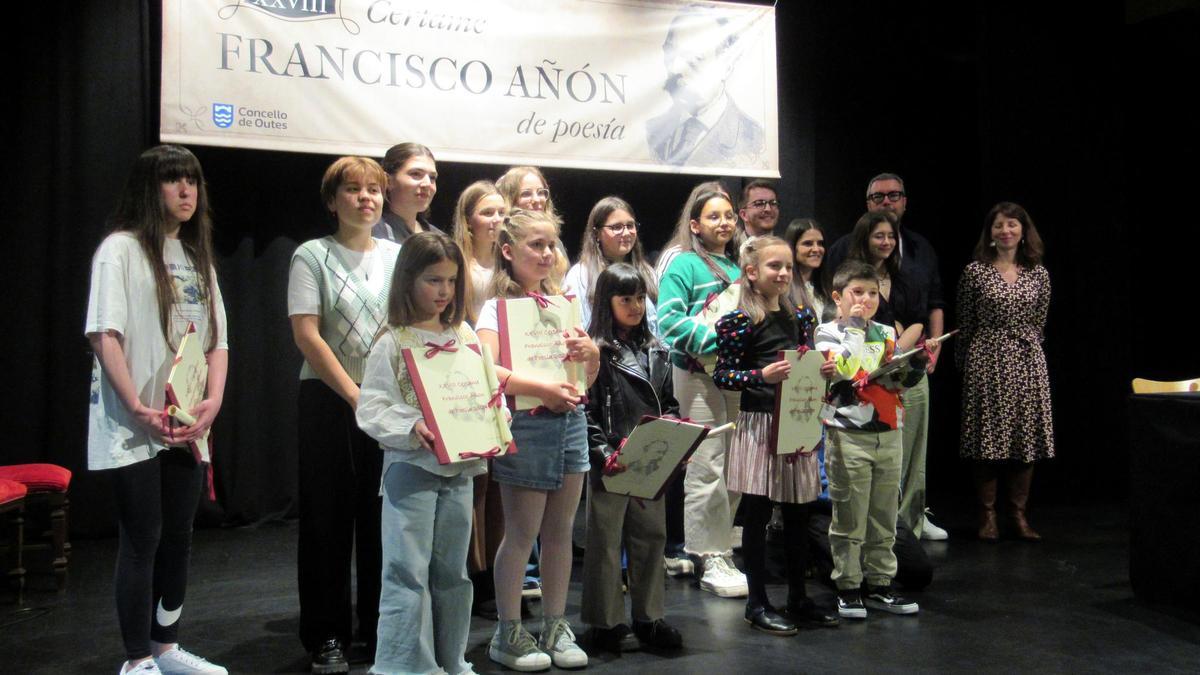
1061	606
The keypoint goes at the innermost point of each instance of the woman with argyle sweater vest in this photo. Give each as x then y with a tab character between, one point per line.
337	302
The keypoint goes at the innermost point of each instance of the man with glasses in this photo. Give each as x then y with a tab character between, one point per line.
919	265
760	208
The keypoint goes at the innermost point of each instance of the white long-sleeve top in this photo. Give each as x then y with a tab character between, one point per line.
386	410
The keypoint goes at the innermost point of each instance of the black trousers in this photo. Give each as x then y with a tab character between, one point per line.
913	569
340	507
156	503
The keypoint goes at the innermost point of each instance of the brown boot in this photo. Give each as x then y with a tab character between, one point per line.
1019	481
985	490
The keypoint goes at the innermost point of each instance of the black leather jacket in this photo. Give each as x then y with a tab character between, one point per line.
621	396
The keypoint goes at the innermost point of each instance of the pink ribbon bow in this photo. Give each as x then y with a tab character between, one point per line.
434	348
542	301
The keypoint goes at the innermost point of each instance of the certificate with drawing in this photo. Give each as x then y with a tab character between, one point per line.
186	386
532	342
796	426
653	454
458	392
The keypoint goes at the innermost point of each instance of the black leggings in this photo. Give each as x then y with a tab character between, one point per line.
156	503
756	513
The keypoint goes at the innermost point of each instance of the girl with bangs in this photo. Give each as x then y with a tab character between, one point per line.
151	278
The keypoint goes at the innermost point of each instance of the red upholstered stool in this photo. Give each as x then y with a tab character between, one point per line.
47	486
12	509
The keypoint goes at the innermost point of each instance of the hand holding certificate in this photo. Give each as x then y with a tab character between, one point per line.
654	453
186	386
796	424
459	395
899	361
533	341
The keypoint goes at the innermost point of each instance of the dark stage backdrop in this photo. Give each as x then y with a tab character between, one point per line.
971	103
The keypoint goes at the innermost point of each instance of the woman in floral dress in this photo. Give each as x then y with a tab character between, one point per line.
1003	299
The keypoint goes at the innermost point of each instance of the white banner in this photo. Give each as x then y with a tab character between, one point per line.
634	85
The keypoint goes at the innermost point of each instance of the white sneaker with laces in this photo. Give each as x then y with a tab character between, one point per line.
178	661
722	578
147	667
558	640
931	532
512	646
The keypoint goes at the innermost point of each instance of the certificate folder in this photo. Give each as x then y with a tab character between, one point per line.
532	342
653	455
796	425
458	392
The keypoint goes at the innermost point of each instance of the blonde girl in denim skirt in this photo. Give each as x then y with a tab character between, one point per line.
539	485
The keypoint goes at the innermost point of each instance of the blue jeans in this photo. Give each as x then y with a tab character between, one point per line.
425	604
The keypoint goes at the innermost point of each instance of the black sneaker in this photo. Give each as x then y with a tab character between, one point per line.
329	658
619	638
657	634
881	597
850	605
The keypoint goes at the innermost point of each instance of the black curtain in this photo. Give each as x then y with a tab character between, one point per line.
971	102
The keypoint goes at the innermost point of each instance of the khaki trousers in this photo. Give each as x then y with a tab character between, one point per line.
864	480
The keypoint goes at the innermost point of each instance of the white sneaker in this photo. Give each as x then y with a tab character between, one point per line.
722	578
514	647
931	532
177	661
558	641
147	667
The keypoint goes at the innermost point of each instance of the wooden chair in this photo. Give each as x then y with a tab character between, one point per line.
12	520
46	503
1141	386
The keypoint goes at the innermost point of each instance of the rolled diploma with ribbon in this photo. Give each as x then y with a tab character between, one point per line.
489	368
180	414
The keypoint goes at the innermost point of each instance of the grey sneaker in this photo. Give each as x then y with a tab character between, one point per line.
558	641
177	661
513	647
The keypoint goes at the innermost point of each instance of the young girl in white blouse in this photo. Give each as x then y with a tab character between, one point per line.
425	604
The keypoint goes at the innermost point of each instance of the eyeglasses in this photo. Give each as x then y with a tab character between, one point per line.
764	203
618	228
893	196
542	193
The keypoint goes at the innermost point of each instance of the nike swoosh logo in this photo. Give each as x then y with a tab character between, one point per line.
165	618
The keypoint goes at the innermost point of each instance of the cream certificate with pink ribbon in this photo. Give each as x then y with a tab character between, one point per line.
186	386
532	341
459	396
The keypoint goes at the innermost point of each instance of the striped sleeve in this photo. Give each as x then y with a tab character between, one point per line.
679	299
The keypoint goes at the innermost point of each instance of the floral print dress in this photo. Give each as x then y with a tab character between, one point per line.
1006	412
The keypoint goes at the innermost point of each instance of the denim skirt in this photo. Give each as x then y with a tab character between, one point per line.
548	445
